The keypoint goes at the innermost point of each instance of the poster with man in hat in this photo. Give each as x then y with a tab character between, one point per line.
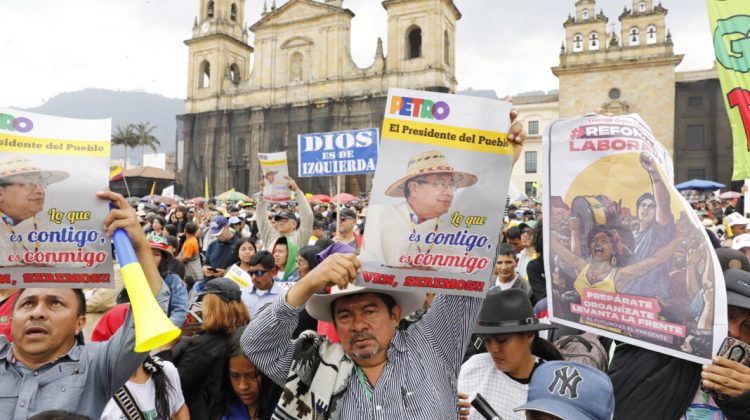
628	258
432	225
51	233
275	179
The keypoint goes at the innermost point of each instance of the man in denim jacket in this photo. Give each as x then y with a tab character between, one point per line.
47	367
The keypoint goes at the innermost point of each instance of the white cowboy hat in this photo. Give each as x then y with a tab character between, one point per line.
23	166
426	163
319	305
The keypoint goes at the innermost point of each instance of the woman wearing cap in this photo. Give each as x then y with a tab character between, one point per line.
246	393
199	359
514	350
178	300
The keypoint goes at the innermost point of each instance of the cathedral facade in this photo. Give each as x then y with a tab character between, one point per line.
297	78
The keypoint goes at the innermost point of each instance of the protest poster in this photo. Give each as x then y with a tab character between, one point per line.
729	21
50	171
441	183
626	255
275	173
239	276
338	153
168	192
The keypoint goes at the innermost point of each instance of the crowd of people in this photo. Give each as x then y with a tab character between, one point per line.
273	327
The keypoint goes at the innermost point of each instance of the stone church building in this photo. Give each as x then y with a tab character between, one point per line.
297	78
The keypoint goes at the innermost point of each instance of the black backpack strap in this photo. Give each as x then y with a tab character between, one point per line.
124	399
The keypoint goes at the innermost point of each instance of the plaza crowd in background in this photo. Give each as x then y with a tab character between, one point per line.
242	278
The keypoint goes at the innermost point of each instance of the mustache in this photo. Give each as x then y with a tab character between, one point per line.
360	335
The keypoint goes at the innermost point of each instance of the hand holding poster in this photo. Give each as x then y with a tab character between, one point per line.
435	214
275	174
627	256
50	171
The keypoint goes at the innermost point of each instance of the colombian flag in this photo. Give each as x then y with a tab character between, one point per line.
115	172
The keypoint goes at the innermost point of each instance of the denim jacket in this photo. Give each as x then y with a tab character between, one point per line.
178	300
81	381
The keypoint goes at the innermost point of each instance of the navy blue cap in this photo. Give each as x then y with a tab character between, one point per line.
571	391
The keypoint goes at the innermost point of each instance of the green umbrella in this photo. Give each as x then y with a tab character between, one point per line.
232	195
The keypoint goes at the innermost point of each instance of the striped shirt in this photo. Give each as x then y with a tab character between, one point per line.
419	378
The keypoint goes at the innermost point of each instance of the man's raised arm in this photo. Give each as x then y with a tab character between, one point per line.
265	230
116	359
267	341
305	215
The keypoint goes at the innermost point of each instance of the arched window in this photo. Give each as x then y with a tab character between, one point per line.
651	34
234	74
577	43
205	74
414	41
634	37
233	14
642	6
447	48
295	67
585	14
593	41
210	9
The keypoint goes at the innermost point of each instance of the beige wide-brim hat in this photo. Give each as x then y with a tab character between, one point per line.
319	305
427	163
22	166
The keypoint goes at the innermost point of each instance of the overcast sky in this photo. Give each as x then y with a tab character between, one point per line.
53	46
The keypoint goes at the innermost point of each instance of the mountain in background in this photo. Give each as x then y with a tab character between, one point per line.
124	108
134	107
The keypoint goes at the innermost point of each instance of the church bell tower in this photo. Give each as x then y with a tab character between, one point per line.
219	59
620	72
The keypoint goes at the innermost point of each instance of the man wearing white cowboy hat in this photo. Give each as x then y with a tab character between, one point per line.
428	190
377	371
22	194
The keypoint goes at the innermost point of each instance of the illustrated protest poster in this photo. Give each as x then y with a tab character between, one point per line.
50	171
438	193
729	22
275	172
625	254
338	153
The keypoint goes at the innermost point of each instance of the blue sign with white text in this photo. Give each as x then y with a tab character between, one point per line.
338	153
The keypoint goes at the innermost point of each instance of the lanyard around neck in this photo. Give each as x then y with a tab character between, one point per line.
368	389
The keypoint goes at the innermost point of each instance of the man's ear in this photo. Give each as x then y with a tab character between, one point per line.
396	314
80	323
410	186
